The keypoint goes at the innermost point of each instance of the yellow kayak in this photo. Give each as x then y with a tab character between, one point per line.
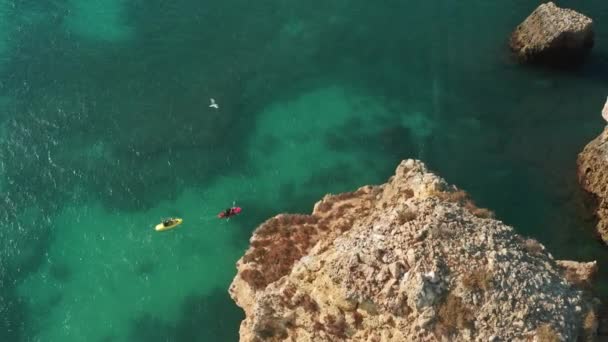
168	224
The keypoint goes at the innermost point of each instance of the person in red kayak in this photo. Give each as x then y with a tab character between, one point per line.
229	212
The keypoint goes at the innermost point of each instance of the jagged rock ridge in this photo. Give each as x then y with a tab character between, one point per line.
411	260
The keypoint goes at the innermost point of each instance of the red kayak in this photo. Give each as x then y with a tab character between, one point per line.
229	212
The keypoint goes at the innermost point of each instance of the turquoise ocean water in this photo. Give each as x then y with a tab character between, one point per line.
105	129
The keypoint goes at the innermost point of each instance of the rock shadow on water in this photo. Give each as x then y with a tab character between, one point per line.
212	317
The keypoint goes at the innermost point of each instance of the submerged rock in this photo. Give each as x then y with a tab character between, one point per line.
579	273
410	260
553	35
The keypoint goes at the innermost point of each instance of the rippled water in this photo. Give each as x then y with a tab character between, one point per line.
106	128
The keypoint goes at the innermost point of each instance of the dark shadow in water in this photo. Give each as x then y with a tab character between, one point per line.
60	272
27	248
593	69
144	267
212	317
13	315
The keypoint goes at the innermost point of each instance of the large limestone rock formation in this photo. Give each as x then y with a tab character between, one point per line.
553	35
411	260
592	165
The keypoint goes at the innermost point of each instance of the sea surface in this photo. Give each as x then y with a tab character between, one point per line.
105	129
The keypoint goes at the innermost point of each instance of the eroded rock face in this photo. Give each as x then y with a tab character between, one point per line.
592	172
411	260
553	35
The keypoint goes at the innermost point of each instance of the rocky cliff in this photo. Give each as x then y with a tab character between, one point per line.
592	164
410	260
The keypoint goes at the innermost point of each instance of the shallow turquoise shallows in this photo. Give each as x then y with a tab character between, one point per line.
106	128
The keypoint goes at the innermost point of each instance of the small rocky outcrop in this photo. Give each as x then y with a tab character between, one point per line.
592	171
410	260
554	36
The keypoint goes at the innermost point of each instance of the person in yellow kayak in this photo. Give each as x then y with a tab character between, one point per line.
169	222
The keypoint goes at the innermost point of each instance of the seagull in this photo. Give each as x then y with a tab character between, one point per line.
213	104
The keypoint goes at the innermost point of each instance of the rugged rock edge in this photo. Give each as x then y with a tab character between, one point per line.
410	260
592	164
